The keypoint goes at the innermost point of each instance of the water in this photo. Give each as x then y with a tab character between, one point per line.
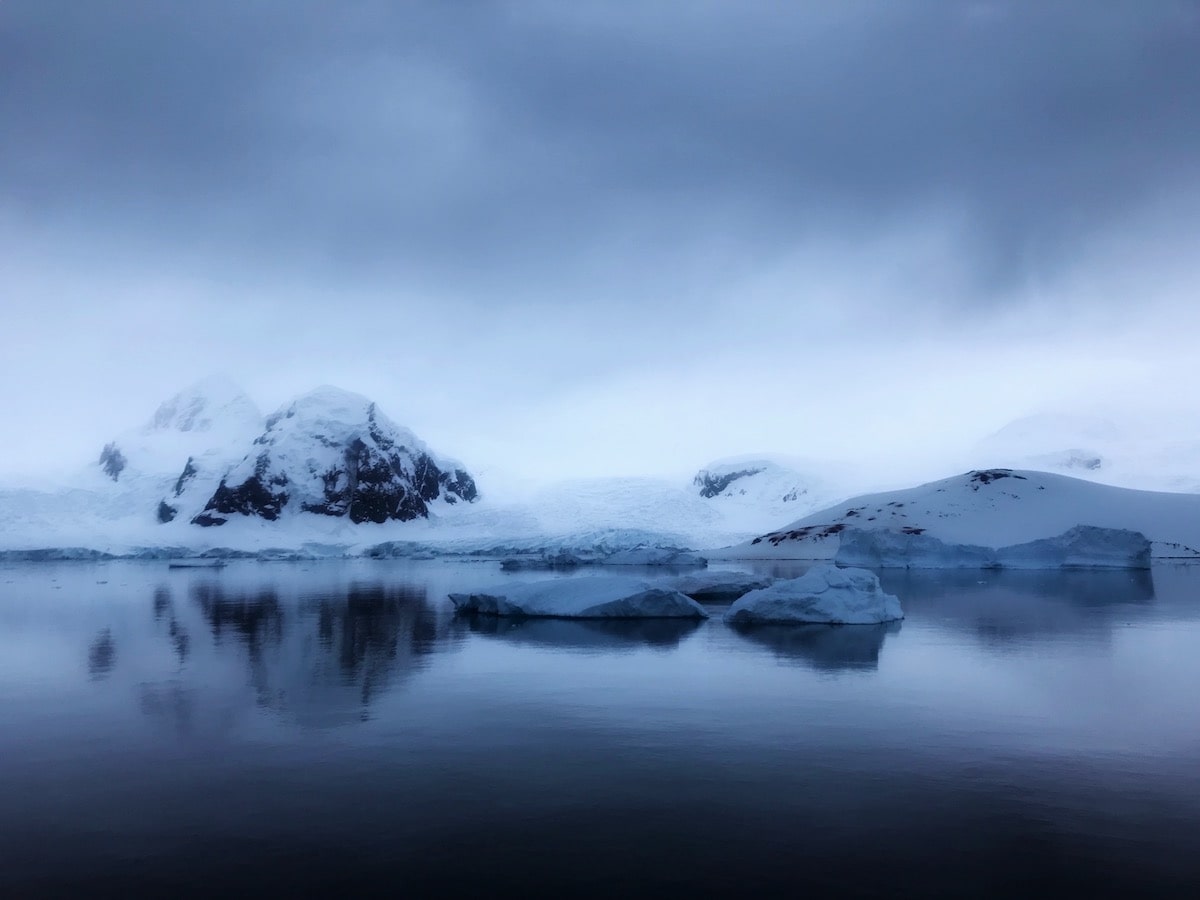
332	728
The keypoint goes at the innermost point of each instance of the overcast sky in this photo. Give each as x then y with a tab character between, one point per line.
601	238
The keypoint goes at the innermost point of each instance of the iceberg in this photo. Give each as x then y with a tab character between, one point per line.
823	594
1082	547
589	597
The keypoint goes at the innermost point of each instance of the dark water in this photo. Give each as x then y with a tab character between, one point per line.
332	729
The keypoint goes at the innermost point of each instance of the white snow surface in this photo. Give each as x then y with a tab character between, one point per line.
1134	452
824	594
582	597
994	509
209	423
754	487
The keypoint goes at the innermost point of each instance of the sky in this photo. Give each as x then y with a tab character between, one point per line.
602	238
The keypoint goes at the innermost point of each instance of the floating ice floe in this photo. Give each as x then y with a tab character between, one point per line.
590	597
823	594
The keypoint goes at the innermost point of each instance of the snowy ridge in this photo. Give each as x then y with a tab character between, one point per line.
937	523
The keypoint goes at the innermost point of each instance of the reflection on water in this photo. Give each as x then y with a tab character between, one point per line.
102	654
337	729
1012	607
321	660
610	635
830	648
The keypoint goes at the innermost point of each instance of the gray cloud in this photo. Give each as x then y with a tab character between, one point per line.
602	225
534	146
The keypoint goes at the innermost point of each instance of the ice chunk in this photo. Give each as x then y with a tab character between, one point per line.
822	594
595	597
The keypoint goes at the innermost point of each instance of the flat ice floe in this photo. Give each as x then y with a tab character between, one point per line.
824	594
586	597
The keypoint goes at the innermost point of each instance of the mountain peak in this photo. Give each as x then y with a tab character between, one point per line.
333	453
210	403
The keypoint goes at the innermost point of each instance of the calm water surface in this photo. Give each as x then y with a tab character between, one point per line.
331	728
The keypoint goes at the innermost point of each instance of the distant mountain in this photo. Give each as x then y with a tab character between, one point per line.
334	453
1145	451
746	490
991	516
203	421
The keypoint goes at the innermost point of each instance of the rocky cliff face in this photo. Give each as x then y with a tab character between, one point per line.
334	453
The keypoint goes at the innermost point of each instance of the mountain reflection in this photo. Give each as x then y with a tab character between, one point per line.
255	618
313	660
375	633
583	634
825	647
102	655
1009	607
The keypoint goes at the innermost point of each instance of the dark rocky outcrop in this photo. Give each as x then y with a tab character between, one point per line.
112	461
259	495
188	473
713	485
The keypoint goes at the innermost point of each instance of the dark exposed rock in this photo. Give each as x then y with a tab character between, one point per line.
166	512
188	473
459	483
259	495
987	476
714	485
112	461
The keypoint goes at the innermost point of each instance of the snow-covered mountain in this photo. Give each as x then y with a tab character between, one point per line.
333	453
748	490
205	422
207	451
1139	453
962	520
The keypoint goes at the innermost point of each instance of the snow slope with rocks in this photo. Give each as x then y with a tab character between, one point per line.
333	453
992	517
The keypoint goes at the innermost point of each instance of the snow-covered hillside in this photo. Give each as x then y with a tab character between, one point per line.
959	520
745	491
200	454
1139	452
177	457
